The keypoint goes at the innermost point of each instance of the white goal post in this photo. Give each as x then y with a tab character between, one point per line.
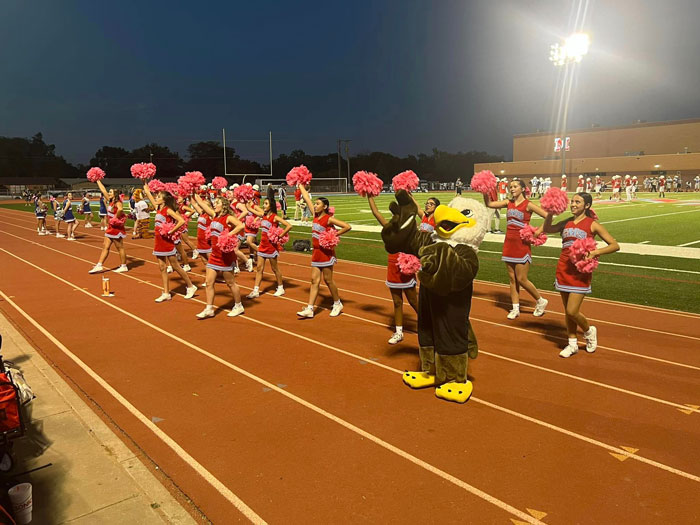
318	186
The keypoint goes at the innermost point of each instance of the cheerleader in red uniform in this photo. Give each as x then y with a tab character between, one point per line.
571	284
322	259
220	261
203	222
399	284
114	235
164	248
186	211
241	212
268	251
427	220
517	254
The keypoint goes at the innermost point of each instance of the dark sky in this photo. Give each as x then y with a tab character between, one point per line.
399	76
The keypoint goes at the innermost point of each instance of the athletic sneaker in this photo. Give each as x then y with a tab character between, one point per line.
307	313
187	268
60	236
253	295
236	270
539	308
515	312
170	269
163	297
396	338
71	238
236	310
207	312
88	225
591	338
568	351
40	233
97	268
249	265
337	308
279	292
195	254
122	269
190	291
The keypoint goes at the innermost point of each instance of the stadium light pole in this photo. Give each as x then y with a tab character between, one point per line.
568	54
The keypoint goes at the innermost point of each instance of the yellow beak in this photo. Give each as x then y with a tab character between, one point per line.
452	219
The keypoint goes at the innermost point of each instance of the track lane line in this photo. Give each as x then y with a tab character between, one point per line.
508	411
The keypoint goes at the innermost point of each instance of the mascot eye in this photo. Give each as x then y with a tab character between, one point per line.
467	213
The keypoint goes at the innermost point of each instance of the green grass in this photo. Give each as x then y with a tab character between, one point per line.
667	282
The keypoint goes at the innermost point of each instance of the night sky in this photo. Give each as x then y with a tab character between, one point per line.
397	76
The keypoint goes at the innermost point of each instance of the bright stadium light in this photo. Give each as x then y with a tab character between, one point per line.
572	50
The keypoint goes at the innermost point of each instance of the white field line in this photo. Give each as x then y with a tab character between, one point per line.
353	428
650	216
530	419
604	385
689	243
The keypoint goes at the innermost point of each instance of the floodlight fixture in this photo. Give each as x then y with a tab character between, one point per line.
657	165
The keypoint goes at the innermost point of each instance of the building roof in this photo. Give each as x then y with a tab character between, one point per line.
608	128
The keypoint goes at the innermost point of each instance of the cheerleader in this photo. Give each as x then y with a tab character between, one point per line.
427	220
571	284
57	215
399	284
322	259
517	254
102	213
114	235
86	210
251	233
40	210
203	222
268	251
222	221
68	216
186	211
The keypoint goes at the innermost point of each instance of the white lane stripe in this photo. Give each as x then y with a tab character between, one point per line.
508	411
196	466
650	216
689	243
399	452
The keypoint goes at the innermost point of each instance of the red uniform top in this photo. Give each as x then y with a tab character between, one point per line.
563	183
502	187
266	247
568	278
112	232
297	194
514	249
427	223
616	184
163	246
321	257
218	260
662	181
203	244
628	182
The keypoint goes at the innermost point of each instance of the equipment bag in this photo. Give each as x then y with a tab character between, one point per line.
9	405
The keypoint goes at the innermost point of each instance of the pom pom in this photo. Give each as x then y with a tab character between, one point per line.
167	230
554	201
196	178
484	182
156	185
330	210
329	239
244	193
171	188
219	183
252	222
276	237
118	221
299	175
279	206
227	242
186	185
95	174
578	252
408	264
367	184
207	233
143	170
527	234
406	180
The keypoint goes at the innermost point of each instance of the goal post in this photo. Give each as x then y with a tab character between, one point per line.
318	186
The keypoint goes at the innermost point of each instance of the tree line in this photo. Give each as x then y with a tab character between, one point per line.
31	158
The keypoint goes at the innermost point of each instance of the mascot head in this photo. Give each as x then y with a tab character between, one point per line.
462	221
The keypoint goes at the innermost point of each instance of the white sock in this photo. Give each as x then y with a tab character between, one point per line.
336	302
588	332
516	306
236	305
309	306
399	329
256	289
573	342
540	300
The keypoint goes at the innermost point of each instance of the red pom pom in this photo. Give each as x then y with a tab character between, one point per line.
171	188
578	252
196	178
244	193
406	180
367	184
408	264
299	175
330	210
554	201
329	239
219	183
143	170
276	237
156	185
227	242
527	234
95	174
207	233
484	182
167	230
252	222
279	206
118	221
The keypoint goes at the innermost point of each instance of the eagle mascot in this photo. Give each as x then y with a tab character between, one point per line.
448	267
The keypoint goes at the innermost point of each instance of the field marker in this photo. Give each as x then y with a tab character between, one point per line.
623	457
650	216
689	243
644	242
499	408
537	513
690	410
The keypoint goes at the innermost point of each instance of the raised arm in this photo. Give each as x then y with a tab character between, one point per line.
256	210
205	206
612	245
496	205
373	206
149	195
104	191
548	227
532	207
421	211
197	207
307	198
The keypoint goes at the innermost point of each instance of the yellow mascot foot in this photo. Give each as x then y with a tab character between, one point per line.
457	392
418	379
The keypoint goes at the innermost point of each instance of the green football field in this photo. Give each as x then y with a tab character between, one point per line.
670	278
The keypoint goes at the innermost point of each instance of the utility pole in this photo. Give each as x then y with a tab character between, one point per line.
347	157
339	158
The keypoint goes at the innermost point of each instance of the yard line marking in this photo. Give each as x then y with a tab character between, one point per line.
196	466
688	243
646	242
353	428
650	216
499	408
